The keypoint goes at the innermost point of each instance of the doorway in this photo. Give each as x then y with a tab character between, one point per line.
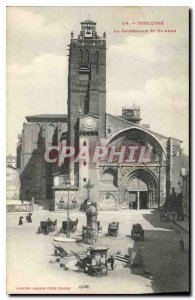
132	200
138	199
144	200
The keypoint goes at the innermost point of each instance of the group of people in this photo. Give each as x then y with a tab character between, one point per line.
180	216
177	216
28	219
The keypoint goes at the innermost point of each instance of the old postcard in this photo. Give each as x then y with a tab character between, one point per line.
97	150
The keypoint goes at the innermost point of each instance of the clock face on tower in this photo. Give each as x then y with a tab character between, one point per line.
89	122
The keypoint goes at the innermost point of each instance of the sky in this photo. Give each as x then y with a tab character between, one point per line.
147	69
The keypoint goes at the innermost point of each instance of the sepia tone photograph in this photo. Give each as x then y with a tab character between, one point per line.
97	150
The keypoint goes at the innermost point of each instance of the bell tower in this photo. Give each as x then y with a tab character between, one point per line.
86	80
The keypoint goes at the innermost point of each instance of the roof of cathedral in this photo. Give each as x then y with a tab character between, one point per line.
47	117
141	127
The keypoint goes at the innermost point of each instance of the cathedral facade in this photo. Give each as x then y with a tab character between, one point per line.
113	184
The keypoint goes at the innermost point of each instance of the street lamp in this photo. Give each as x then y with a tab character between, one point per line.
88	186
68	185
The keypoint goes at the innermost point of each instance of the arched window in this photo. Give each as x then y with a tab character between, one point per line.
81	56
51	130
36	132
97	61
87	56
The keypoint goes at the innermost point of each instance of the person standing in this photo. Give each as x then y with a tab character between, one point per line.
178	215
29	218
181	244
173	217
112	262
20	220
182	215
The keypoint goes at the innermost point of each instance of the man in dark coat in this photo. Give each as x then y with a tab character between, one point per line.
181	244
111	261
20	220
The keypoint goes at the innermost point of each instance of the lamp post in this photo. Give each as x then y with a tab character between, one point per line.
88	186
32	204
68	184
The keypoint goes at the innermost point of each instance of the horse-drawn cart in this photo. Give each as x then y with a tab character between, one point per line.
69	224
47	226
113	229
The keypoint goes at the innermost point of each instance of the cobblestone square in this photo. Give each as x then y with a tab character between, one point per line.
165	268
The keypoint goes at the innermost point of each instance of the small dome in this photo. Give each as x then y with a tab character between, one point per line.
91	211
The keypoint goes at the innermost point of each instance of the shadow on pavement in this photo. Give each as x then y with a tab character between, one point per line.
163	263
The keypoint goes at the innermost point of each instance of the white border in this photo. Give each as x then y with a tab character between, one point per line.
99	3
3	4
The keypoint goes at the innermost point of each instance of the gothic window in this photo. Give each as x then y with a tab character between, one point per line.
81	105
81	56
84	72
97	58
36	133
86	103
51	130
84	76
87	56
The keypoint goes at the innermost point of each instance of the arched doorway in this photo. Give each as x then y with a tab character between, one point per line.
140	181
141	189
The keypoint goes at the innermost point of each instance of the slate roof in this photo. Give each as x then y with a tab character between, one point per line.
47	118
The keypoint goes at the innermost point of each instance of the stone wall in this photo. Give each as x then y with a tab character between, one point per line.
35	172
108	201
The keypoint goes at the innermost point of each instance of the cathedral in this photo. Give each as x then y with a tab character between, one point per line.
138	184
